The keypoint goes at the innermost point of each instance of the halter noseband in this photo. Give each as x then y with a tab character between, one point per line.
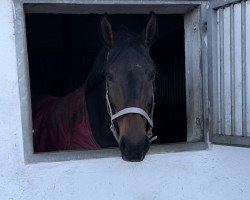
134	110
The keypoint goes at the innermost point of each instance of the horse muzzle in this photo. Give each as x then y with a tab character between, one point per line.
134	152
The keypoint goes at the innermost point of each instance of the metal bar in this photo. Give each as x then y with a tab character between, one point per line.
238	73
23	79
115	8
226	71
213	71
111	152
248	67
193	75
216	4
222	90
205	72
243	64
231	140
194	2
218	60
232	66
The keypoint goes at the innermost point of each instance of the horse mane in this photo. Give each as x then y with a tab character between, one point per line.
97	73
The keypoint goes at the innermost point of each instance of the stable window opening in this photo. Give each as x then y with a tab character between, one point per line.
61	53
62	50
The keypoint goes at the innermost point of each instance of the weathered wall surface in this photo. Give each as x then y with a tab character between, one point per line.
220	173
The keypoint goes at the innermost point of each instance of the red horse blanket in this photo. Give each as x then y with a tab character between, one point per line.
62	123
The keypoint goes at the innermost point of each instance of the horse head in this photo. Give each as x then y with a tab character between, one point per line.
130	74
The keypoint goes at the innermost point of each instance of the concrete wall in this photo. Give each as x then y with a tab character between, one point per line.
220	173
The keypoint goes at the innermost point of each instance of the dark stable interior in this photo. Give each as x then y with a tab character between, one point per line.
62	48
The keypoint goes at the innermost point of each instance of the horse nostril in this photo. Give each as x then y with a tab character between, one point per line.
125	145
134	151
122	145
147	144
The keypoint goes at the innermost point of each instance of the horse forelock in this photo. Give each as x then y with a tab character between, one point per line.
125	39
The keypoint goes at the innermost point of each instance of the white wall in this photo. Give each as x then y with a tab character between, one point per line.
220	173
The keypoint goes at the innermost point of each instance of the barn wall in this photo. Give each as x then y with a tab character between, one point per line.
219	173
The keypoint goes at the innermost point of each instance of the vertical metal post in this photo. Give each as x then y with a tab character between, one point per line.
216	73
222	90
243	64
232	66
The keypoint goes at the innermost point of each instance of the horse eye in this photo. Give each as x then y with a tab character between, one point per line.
152	76
109	76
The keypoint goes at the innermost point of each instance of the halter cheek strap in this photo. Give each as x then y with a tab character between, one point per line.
129	110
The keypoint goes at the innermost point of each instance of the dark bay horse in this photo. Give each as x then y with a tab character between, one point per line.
114	107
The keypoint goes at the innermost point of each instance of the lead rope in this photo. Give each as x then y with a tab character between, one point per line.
127	111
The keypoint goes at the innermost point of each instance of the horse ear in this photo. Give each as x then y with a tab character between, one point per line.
107	32
151	30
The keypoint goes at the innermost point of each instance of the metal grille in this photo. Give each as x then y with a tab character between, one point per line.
170	85
233	66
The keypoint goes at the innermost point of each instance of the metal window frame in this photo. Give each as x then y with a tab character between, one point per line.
195	10
215	4
213	82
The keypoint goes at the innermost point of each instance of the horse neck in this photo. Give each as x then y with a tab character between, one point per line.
99	118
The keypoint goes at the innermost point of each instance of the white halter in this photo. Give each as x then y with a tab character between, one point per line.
128	110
